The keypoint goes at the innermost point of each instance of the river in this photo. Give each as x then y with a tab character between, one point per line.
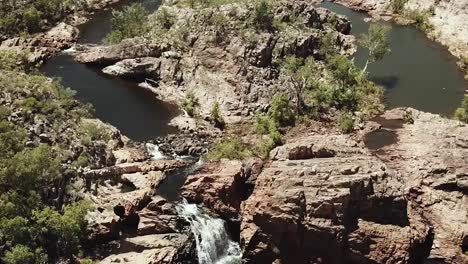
139	115
419	73
133	110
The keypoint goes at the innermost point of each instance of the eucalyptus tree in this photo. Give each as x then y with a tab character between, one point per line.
376	41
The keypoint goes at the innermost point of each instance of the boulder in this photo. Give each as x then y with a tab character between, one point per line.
219	186
127	49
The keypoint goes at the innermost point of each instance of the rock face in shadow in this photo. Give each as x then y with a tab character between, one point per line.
335	207
432	156
328	199
135	225
219	186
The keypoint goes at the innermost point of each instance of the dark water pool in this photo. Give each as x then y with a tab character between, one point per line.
133	110
419	73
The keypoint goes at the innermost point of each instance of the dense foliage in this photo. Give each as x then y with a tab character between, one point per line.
263	17
32	16
230	147
39	221
462	112
216	116
190	104
398	5
376	41
128	23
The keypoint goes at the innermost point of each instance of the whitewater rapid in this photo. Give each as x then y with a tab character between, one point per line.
212	240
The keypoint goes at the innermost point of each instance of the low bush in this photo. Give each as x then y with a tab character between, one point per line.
397	6
230	147
263	17
462	112
281	111
420	18
129	22
190	103
408	117
216	116
30	16
346	123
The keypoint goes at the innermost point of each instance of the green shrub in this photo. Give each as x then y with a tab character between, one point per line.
190	103
462	112
30	16
302	74
12	139
29	167
32	19
14	60
21	254
346	123
216	116
420	18
281	111
90	131
264	147
229	148
263	17
164	19
128	23
398	5
343	70
408	117
83	160
221	25
63	232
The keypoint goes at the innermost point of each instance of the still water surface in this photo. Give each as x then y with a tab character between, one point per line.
419	73
133	110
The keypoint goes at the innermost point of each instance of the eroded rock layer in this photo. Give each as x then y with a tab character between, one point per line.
326	198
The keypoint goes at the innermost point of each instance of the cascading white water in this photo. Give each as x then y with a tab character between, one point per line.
213	243
154	151
70	50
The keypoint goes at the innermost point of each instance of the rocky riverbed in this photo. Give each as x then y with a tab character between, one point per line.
393	192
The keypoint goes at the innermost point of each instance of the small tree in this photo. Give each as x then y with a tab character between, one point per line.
263	17
462	112
190	103
376	41
216	116
128	23
281	111
230	147
302	74
165	19
346	123
398	5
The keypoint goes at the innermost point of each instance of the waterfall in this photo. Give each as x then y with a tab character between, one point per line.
213	243
154	151
70	50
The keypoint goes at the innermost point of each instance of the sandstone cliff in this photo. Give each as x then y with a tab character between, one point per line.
393	195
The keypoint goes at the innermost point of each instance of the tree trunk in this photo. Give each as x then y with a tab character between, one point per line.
365	68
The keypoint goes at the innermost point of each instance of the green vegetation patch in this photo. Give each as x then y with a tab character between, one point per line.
40	221
31	16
